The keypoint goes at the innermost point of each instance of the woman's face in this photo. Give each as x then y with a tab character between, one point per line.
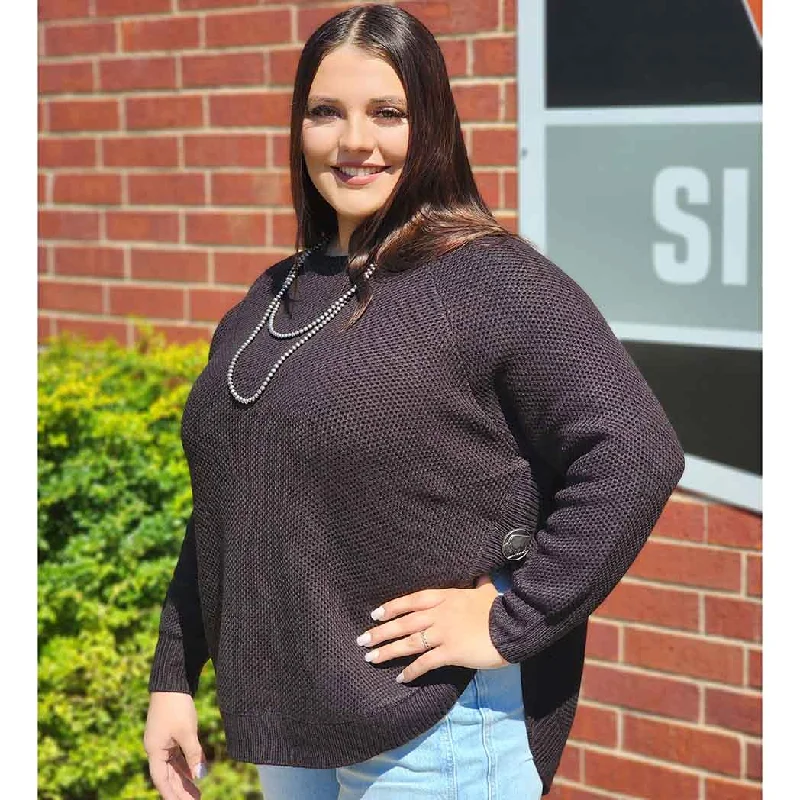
355	133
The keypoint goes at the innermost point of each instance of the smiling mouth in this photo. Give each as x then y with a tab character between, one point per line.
359	172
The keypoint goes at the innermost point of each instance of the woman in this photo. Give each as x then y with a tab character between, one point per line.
471	461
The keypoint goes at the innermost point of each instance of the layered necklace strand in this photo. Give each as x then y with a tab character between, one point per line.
307	331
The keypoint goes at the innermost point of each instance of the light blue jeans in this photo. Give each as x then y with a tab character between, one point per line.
477	751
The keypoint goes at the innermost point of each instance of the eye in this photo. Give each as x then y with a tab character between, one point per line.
322	111
390	113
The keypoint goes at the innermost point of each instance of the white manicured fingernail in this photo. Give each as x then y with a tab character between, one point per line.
363	639
201	770
400	678
378	613
371	656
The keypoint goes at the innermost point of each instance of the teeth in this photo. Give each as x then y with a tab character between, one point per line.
354	172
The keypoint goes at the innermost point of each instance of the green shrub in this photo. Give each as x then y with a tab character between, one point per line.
114	497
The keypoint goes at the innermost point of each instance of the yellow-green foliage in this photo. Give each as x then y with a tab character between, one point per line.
114	497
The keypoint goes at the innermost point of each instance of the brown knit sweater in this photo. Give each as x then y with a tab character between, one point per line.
480	392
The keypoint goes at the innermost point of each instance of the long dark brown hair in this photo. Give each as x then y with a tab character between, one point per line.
435	205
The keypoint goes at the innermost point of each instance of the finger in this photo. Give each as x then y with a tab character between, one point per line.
411	623
160	775
416	601
184	787
192	751
430	659
406	646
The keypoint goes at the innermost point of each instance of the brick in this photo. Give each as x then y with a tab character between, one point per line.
602	640
93	330
510	187
754	570
251	188
81	39
239	229
596	725
733	710
625	776
309	19
653	694
41	189
68	296
570	765
42	259
682	521
246	28
41	116
478	103
180	334
148	226
280	150
225	150
717	789
155	113
87	189
455	56
66	78
283	65
226	69
169	265
733	527
96	261
688	565
192	5
510	15
140	151
495	56
754	669
45	329
489	187
130	74
174	33
284	229
129	8
754	758
455	16
62	152
684	655
663	607
65	224
492	146
146	301
257	109
63	9
736	619
243	267
682	744
167	189
84	115
211	304
510	114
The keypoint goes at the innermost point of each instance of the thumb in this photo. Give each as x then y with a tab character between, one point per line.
192	752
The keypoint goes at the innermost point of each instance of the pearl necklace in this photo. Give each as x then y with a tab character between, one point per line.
308	330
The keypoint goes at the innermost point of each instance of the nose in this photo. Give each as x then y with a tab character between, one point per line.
357	134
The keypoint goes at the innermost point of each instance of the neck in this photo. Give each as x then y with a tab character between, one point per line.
339	244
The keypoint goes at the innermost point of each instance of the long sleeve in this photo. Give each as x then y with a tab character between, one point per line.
577	400
181	650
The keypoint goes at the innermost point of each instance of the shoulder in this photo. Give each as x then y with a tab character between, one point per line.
507	273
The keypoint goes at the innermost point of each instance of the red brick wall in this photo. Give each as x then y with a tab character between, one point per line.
164	191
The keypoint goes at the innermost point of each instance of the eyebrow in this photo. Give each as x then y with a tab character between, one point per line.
389	99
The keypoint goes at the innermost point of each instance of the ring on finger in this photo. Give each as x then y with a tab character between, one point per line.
425	643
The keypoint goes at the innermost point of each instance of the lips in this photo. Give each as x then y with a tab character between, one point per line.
357	180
